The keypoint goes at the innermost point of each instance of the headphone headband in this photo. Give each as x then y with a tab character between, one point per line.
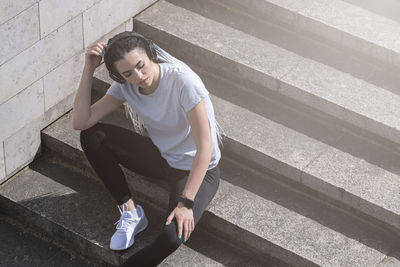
153	54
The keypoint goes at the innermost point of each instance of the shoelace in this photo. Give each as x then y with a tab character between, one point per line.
124	221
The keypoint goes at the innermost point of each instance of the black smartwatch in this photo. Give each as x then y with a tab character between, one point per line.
188	203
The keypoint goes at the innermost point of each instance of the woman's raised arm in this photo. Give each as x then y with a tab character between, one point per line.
81	107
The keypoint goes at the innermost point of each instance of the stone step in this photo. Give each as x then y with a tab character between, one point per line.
23	246
79	213
265	68
386	8
367	33
252	210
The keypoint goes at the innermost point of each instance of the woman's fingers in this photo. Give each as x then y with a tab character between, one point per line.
103	45
191	224
187	230
183	228
191	228
93	55
93	51
100	48
170	217
180	226
97	49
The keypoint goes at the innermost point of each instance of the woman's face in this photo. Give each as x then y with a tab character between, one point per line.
136	68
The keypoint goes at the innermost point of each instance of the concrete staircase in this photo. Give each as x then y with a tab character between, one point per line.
308	97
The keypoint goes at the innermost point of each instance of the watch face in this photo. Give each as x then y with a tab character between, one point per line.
187	202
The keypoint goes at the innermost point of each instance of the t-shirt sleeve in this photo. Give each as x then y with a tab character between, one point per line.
192	92
115	91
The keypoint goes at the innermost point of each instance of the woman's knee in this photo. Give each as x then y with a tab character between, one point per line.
92	137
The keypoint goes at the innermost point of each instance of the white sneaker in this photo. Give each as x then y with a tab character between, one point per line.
131	223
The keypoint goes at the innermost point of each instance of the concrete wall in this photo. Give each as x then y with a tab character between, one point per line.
42	56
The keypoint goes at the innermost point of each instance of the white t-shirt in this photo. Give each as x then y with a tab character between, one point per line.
164	113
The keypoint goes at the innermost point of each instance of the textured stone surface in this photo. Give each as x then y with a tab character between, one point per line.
105	37
388	8
33	107
63	131
2	163
358	183
294	232
263	65
63	81
356	21
367	32
21	147
328	170
275	146
54	13
11	8
16	36
180	258
384	157
292	5
102	74
129	25
57	110
339	94
39	123
392	260
25	247
39	59
109	14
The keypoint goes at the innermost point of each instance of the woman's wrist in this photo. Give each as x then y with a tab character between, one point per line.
89	69
184	195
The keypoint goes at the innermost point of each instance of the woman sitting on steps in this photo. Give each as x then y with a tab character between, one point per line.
182	145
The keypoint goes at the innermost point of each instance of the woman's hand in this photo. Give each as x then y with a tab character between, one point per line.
184	218
94	54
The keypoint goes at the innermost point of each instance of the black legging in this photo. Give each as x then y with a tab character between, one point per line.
105	145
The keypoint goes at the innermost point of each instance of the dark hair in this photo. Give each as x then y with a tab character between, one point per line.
123	46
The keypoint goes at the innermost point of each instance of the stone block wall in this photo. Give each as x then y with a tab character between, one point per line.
42	56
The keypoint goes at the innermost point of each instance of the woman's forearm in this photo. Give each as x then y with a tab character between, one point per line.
199	168
81	108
